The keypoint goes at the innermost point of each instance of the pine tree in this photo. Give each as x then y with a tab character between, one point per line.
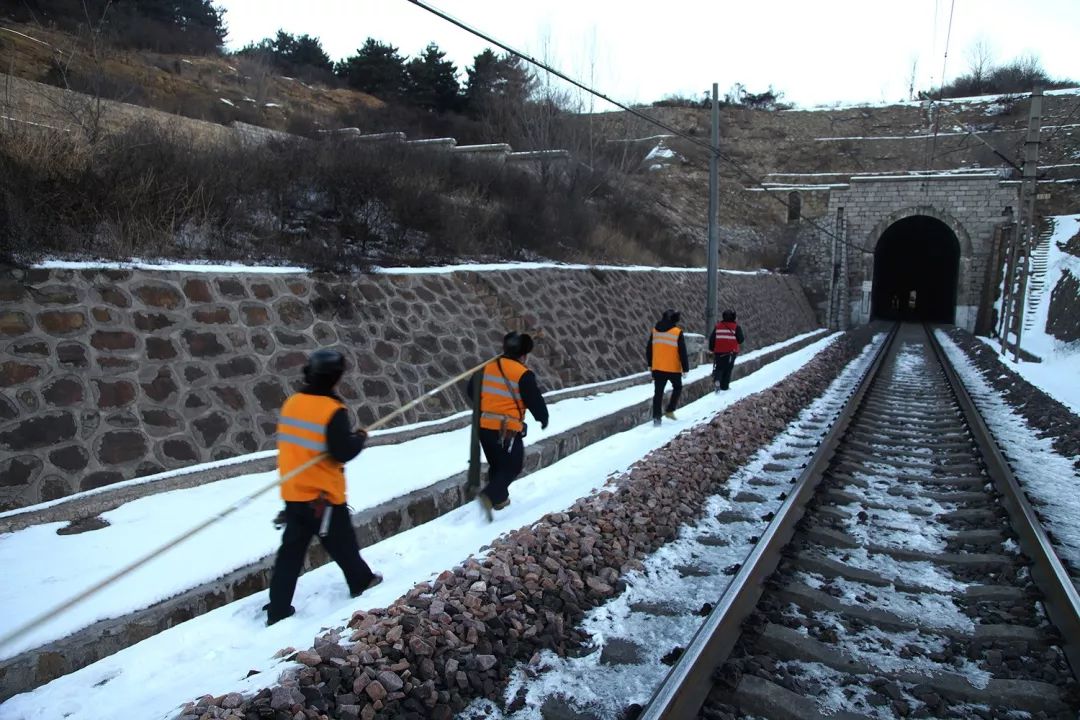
308	52
291	54
495	80
376	68
431	81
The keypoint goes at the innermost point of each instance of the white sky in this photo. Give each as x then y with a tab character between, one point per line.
815	52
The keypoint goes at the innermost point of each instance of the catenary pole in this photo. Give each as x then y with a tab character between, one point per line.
714	203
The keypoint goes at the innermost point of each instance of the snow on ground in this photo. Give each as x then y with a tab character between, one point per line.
1057	375
991	100
137	264
1049	479
660	151
64	564
214	652
928	134
65	561
608	688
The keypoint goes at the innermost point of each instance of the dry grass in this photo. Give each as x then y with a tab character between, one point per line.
192	86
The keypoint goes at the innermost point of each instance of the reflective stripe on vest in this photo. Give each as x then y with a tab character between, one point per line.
725	338
500	396
301	435
665	350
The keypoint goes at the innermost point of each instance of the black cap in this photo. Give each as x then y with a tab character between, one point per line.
517	344
671	316
729	316
324	367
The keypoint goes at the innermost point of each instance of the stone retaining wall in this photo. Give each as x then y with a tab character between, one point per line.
109	374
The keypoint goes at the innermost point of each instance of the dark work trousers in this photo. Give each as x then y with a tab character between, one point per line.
340	543
505	460
723	364
660	380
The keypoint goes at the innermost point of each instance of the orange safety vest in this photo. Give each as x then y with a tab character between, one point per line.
301	435
665	350
725	338
500	397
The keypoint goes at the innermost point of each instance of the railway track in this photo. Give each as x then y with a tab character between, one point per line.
904	576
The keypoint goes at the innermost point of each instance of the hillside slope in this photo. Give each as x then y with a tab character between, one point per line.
806	150
212	88
660	181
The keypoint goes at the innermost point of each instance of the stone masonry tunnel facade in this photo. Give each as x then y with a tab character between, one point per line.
915	247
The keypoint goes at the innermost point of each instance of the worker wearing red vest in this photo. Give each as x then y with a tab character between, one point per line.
724	342
665	353
312	422
508	388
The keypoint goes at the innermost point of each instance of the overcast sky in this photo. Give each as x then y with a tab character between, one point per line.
814	52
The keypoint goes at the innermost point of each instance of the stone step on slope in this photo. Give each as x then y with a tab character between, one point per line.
40	665
1037	279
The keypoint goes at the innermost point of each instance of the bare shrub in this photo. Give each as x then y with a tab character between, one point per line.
333	205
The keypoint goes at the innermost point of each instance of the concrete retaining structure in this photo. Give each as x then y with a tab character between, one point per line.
38	666
112	374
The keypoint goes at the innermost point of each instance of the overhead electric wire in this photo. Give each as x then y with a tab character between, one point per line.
633	111
975	135
941	88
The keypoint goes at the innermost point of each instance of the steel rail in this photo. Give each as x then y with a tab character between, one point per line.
1061	599
689	681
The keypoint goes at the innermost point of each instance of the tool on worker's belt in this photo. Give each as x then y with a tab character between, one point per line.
323	511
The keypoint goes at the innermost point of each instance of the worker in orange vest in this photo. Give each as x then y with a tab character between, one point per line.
315	421
665	353
507	389
724	341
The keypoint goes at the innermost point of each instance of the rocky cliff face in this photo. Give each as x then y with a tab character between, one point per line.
106	375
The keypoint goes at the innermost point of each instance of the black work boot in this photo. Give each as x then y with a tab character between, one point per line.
274	617
376	578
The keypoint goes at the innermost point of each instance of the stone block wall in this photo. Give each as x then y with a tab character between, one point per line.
108	374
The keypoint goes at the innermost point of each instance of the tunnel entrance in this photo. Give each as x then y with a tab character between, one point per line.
916	266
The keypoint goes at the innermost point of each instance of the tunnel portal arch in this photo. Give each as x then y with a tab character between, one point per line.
916	270
969	204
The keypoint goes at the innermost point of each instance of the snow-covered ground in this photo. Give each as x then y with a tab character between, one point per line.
64	564
752	492
215	652
208	267
1048	478
990	100
1058	375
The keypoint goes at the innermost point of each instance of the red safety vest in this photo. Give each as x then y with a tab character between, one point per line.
725	338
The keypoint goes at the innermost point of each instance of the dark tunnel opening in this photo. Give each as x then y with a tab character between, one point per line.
916	267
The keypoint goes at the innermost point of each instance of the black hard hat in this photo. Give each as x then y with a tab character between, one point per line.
671	316
324	366
729	316
517	344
